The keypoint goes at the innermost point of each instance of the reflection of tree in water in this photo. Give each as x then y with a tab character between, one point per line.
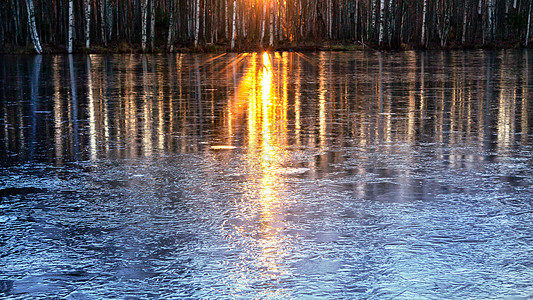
135	107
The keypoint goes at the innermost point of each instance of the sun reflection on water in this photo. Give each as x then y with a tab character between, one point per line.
261	103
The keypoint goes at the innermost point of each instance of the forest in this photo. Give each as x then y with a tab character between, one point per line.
209	25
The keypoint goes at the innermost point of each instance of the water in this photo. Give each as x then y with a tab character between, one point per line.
283	176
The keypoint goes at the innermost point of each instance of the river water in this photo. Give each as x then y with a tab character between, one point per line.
267	176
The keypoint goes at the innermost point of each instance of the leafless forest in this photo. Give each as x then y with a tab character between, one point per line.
167	25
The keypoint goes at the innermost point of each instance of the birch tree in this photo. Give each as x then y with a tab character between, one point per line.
33	29
329	19
465	13
263	23
70	25
103	6
196	23
144	17
490	12
152	24
171	28
423	34
528	23
233	30
381	21
374	4
87	23
271	41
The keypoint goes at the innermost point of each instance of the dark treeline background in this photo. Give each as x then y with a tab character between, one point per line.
167	24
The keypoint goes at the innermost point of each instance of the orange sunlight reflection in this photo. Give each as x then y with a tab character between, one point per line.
261	102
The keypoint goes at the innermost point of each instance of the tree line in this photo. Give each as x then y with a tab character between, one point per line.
167	24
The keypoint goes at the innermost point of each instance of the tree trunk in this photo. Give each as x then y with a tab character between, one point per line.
196	23
170	38
16	20
271	42
152	24
355	23
374	4
70	25
465	14
87	23
226	21
263	24
423	35
233	28
103	6
490	11
144	17
381	20
390	21
33	29
528	23
329	19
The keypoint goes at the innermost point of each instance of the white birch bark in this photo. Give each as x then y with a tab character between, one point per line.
373	15
233	28
381	20
152	24
374	4
87	23
144	17
423	35
33	28
226	21
271	41
196	23
263	24
490	12
528	23
70	24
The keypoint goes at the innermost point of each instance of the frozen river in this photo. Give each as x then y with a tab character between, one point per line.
267	176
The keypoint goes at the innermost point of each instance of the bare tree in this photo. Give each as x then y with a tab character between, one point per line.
423	35
381	21
152	23
33	29
171	27
528	23
70	25
196	23
144	17
233	30
87	23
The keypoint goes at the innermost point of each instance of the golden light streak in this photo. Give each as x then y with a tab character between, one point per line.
92	117
322	100
58	113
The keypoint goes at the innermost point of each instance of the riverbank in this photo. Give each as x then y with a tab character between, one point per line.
251	47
